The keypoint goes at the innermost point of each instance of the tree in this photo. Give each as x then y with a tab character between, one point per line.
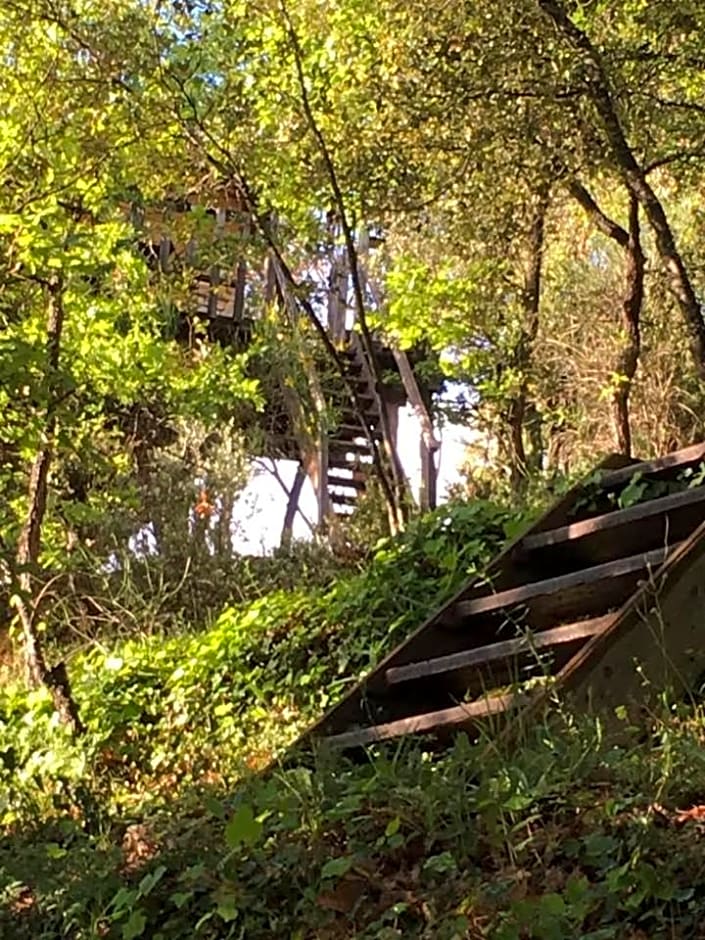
83	327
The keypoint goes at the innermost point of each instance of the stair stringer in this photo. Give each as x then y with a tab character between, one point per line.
427	640
657	639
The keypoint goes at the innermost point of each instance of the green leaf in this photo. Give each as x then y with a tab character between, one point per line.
150	880
227	910
180	898
214	807
553	905
440	864
54	850
392	827
135	926
335	867
243	828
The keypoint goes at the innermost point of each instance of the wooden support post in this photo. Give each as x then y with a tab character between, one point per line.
392	411
429	477
239	300
214	277
337	297
322	496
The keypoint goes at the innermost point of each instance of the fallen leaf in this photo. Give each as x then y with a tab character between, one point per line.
694	814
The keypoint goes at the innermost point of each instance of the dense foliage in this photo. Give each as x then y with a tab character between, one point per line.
153	825
507	196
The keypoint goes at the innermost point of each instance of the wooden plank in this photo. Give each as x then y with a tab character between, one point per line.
593	575
445	718
342	499
344	432
429	636
428	496
678	458
610	520
338	446
679	566
322	496
660	629
567	633
239	296
350	482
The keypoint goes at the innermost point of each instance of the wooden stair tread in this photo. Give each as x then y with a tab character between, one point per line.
567	633
613	519
350	482
343	446
354	430
445	718
611	478
591	575
342	499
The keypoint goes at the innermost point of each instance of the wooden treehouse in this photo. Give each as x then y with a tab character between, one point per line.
372	381
598	600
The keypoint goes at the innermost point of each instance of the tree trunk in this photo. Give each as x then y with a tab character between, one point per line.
634	176
392	465
628	358
523	351
292	506
29	543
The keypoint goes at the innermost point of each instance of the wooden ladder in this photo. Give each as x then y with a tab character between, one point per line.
568	607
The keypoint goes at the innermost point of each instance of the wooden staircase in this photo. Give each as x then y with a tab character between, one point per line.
349	450
599	585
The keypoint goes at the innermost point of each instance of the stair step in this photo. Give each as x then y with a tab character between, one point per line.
349	482
567	633
680	458
358	464
655	511
349	416
453	718
345	431
342	500
337	446
563	584
574	589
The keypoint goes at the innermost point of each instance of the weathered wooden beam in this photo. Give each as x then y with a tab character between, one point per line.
567	633
655	640
240	284
565	582
429	476
444	719
614	519
322	496
612	478
351	482
342	499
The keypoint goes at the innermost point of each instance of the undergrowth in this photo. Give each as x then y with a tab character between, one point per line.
161	822
164	712
567	835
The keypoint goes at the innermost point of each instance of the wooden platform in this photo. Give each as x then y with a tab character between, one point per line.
593	600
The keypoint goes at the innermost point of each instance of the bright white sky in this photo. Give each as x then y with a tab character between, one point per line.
259	513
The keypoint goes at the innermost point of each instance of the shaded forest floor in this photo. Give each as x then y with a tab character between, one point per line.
160	824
